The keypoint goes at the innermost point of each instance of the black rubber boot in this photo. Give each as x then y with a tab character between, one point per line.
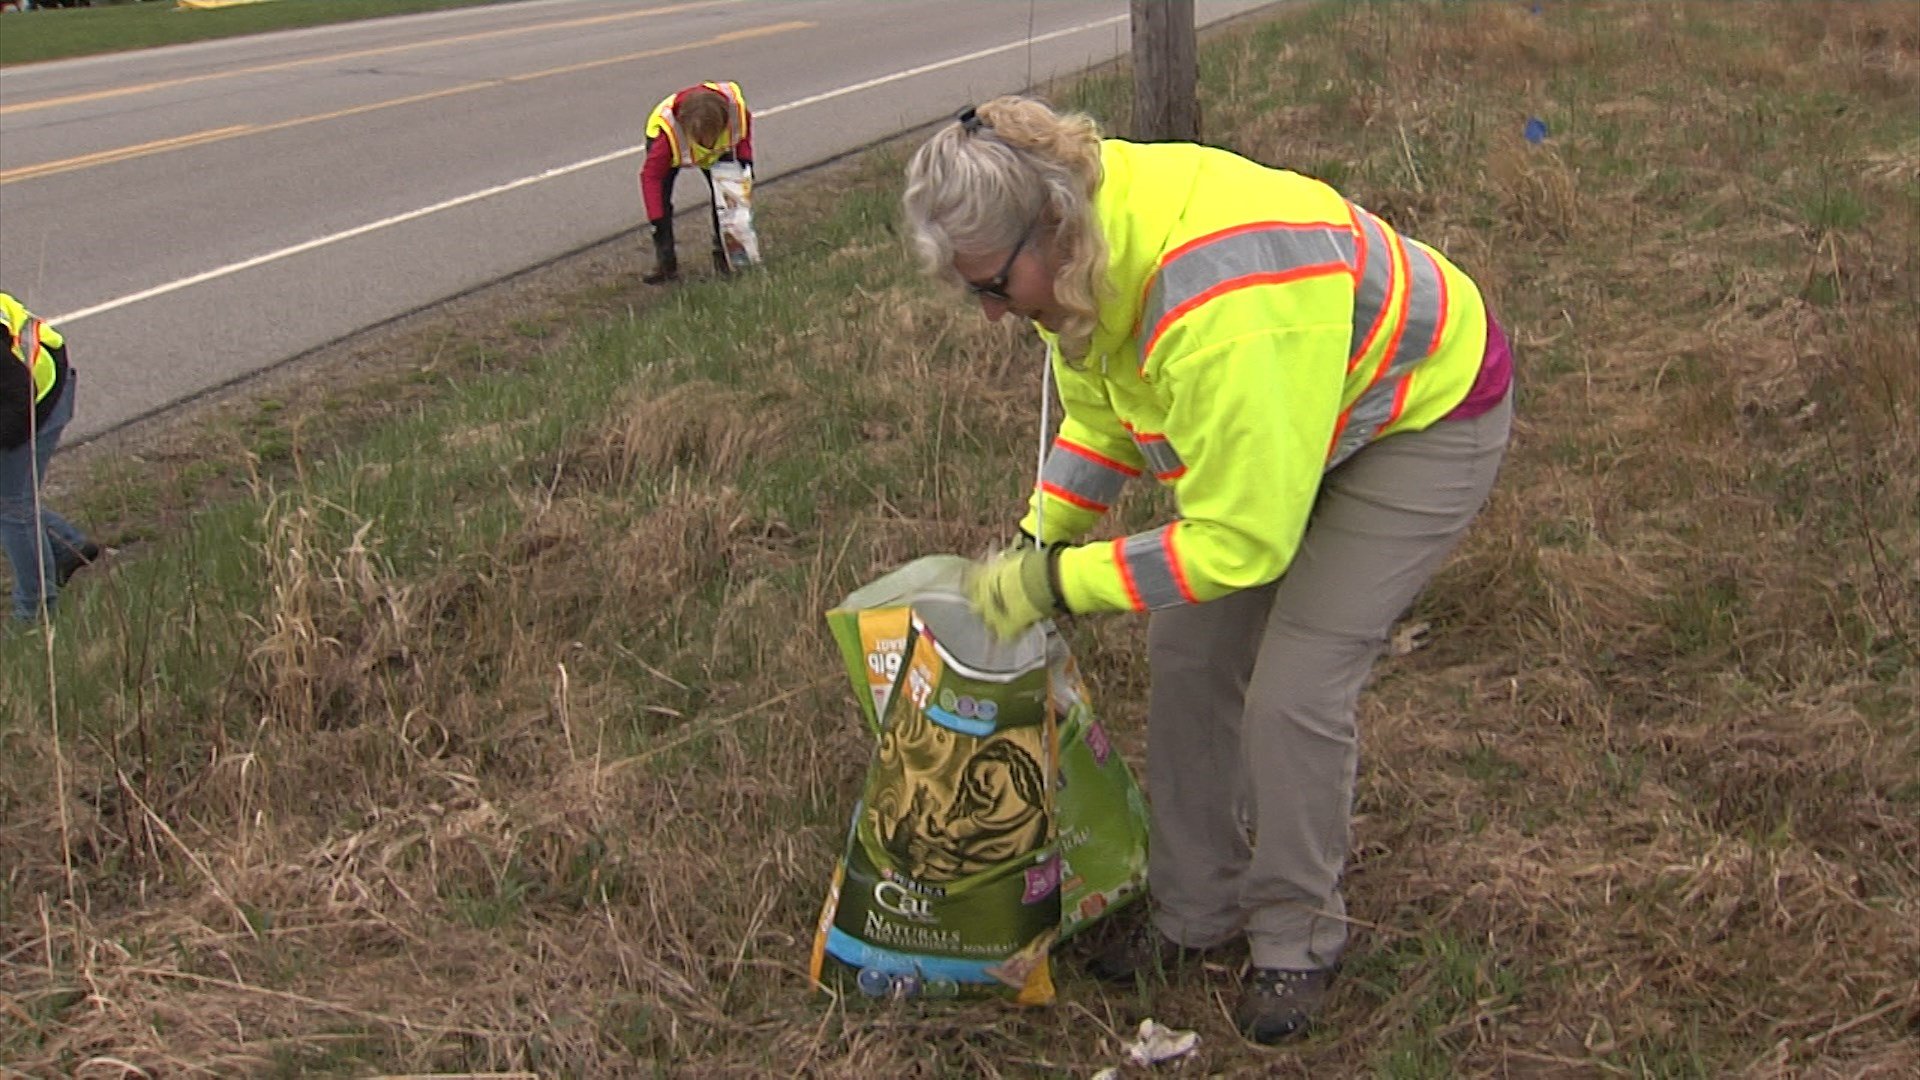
68	561
666	266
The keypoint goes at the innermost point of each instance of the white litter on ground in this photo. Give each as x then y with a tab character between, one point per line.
1155	1042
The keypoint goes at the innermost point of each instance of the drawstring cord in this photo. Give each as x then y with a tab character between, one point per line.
1040	462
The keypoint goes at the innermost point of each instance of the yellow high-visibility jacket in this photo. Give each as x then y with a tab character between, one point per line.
1261	329
33	344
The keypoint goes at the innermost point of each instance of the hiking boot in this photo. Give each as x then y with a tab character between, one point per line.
1278	1004
1144	951
67	561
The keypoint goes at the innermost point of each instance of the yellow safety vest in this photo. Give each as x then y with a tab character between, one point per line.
685	150
33	344
1259	330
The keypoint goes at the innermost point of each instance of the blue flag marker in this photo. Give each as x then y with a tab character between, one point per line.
1536	130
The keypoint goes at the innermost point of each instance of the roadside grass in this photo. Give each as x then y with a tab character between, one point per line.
500	731
61	33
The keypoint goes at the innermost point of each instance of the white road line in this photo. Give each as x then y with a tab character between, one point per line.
550	174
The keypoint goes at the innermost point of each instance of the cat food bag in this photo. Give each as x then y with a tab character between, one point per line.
1099	812
996	818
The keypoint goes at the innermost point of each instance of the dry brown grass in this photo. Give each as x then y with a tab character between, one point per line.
560	796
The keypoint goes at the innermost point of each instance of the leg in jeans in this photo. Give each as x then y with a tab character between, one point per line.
721	264
23	534
63	539
666	262
1385	522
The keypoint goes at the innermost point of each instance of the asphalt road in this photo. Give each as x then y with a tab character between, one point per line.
194	214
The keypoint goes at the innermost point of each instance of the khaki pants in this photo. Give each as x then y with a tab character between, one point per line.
1251	716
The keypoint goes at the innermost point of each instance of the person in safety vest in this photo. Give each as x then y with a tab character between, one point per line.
36	402
697	126
1327	401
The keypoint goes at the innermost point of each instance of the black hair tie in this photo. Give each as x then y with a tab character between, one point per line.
970	120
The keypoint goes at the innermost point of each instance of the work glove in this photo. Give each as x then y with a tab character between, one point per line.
1014	589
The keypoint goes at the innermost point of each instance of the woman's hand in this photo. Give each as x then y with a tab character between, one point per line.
1014	589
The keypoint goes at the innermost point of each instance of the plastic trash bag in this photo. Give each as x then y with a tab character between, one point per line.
733	208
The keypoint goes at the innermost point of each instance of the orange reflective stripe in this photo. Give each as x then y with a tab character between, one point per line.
1248	281
676	139
1095	456
1227	260
1339	429
1396	310
1074	498
1118	547
29	341
1399	403
33	353
1441	307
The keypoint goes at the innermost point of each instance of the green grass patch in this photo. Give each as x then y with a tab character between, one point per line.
1440	992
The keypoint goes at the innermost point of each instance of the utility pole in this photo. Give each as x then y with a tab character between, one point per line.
1165	71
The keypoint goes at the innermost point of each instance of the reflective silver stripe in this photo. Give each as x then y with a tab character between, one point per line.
1352	438
680	143
1426	307
1151	573
1072	475
1265	248
1160	455
1369	412
1426	294
1376	280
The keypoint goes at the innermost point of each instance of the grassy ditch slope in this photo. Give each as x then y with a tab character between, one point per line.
507	736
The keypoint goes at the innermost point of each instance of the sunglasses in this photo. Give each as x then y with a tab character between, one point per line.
995	288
